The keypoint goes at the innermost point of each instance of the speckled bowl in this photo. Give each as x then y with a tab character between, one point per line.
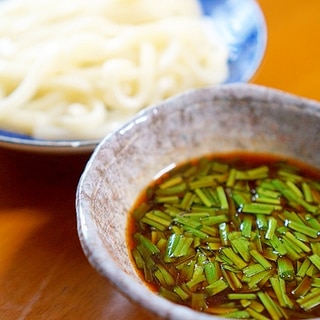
212	120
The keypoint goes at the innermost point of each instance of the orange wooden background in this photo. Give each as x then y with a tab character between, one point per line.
43	272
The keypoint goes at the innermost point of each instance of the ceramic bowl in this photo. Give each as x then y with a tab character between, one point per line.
219	119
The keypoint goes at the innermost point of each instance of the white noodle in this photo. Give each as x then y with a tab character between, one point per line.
77	69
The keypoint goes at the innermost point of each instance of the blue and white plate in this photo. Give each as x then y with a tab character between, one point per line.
241	24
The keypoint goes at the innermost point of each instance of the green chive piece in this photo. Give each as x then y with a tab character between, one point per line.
246	226
152	248
285	268
239	296
254	280
182	293
309	301
213	220
260	259
171	182
164	276
167	199
306	189
303	287
277	245
256	315
241	246
229	253
297	242
239	314
198	301
272	225
204	198
211	270
315	259
139	212
231	178
313	233
252	269
224	230
302	271
222	197
216	287
187	201
260	208
270	306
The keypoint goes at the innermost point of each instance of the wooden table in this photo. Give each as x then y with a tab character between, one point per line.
43	272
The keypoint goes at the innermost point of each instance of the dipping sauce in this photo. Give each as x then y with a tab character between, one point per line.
234	235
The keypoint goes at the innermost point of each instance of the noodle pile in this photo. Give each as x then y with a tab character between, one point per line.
77	69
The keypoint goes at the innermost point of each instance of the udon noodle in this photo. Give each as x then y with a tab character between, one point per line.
77	69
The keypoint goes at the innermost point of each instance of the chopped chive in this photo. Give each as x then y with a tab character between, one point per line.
260	259
260	208
187	200
212	273
171	182
147	243
140	211
312	221
216	287
272	225
241	246
166	199
201	194
252	269
306	189
255	280
297	242
202	183
228	252
231	178
279	288
172	244
164	276
303	287
315	247
261	221
182	246
239	314
239	296
313	233
302	271
246	226
181	293
256	315
137	258
315	259
213	220
231	278
270	306
277	245
285	268
197	277
198	301
224	230
294	188
309	301
168	294
222	197
263	192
